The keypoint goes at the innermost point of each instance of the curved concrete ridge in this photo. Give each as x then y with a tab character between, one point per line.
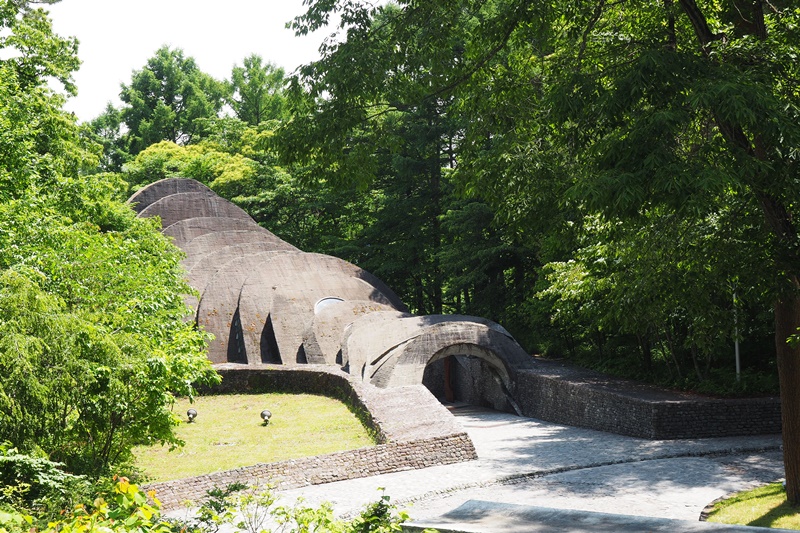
217	310
285	269
292	307
219	255
324	339
180	206
187	229
203	246
390	349
357	347
202	272
407	364
258	292
157	190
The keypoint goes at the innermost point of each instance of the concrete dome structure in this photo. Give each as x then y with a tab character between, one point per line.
266	302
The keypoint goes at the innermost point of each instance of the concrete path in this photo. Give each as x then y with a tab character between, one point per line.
529	462
482	517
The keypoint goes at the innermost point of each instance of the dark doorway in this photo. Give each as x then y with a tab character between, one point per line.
467	379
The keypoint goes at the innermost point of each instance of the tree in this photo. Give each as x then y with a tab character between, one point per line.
255	91
360	119
625	107
235	160
93	341
106	130
165	98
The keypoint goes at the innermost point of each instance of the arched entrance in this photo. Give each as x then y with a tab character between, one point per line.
471	374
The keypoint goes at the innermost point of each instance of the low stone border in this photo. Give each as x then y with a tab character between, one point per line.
414	431
563	394
340	466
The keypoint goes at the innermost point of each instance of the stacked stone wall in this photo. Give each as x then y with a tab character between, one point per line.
294	473
717	418
413	430
581	398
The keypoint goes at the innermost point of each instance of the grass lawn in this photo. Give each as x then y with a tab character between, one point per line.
228	433
765	507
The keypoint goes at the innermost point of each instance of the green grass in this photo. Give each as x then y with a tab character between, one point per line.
228	433
765	507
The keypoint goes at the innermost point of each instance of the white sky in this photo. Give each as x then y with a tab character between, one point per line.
117	37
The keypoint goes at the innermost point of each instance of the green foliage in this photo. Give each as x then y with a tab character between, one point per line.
36	485
165	99
208	516
106	130
379	517
667	284
14	521
92	338
255	91
39	140
125	509
256	510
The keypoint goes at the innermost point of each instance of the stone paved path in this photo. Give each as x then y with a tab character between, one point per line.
530	462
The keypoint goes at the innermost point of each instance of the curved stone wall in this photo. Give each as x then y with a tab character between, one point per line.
412	430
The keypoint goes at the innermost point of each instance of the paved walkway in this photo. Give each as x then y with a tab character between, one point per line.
530	462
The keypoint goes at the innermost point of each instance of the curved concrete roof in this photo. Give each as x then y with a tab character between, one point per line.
187	229
157	190
357	347
323	340
207	266
306	278
181	206
267	302
211	243
292	309
219	303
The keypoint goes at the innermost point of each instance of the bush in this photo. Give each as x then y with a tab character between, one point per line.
35	485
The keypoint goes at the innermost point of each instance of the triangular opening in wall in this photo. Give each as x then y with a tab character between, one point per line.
236	349
301	355
270	353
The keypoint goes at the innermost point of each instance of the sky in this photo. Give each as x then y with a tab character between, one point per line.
117	37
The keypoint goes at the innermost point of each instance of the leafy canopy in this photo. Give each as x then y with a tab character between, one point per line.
93	342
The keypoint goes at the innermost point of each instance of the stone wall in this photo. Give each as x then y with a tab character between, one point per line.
413	428
577	397
380	459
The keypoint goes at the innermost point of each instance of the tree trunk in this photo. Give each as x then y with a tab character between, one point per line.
646	352
787	322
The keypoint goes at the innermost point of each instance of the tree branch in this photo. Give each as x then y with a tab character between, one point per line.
701	28
481	63
598	12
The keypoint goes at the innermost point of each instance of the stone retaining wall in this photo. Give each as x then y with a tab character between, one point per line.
414	431
577	397
364	462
